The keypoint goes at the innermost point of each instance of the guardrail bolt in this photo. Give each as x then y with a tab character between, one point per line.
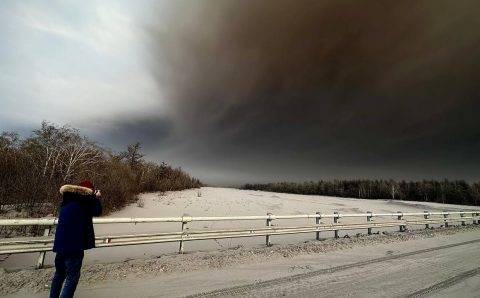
462	215
445	219
369	220
317	222
401	227
426	217
41	255
335	221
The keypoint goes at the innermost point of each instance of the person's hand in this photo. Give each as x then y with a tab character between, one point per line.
98	194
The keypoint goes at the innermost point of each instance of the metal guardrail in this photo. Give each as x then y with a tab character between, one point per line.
44	243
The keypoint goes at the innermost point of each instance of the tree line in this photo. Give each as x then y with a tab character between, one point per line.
445	191
32	169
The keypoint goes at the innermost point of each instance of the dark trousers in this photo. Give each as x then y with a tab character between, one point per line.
67	274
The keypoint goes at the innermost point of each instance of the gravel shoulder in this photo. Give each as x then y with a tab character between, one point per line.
172	269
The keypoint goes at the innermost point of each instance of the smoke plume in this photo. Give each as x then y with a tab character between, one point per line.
322	88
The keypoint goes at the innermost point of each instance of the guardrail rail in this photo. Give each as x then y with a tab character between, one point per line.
44	243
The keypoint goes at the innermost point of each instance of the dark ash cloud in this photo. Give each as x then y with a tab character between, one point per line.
321	89
154	132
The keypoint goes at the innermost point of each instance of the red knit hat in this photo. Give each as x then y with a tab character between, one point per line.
87	184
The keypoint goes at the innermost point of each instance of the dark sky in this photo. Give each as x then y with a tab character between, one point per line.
274	90
256	91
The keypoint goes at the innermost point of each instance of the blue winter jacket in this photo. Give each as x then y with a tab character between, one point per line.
74	231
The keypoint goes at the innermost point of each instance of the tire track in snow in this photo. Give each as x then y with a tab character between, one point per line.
446	283
292	278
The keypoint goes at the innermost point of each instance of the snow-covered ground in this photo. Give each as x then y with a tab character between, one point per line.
223	202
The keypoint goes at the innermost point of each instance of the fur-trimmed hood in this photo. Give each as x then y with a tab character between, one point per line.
84	191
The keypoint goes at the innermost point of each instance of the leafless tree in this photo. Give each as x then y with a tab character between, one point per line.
32	170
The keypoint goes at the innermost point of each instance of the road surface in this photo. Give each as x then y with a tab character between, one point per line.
442	266
448	270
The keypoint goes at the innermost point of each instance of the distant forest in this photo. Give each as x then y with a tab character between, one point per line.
445	191
32	170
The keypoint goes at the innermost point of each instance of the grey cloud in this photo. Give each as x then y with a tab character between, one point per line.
323	88
154	133
295	90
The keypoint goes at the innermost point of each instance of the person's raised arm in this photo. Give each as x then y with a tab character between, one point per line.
96	206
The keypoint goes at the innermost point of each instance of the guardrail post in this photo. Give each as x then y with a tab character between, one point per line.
478	220
445	219
317	222
462	215
426	216
335	221
369	221
184	227
268	224
41	255
401	227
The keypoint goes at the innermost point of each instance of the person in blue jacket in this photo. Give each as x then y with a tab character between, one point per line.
73	235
